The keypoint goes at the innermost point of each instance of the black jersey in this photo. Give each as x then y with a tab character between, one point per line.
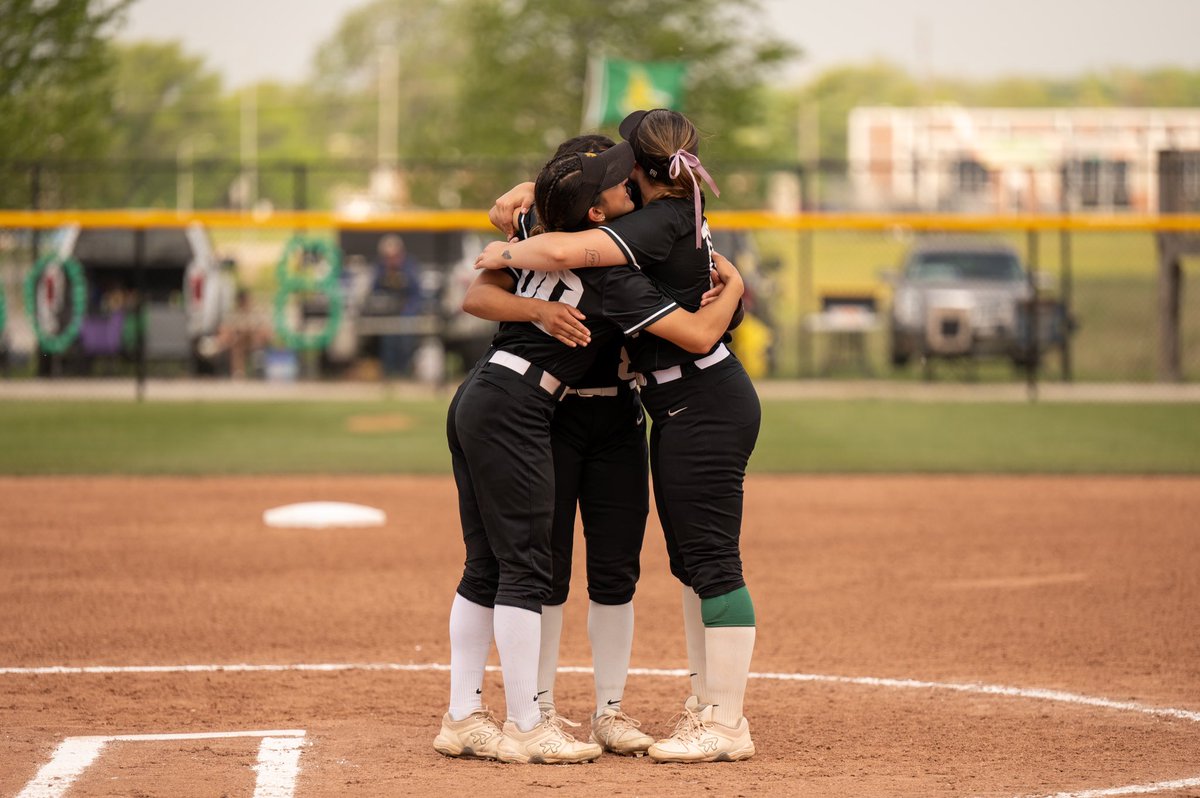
661	239
617	301
611	366
607	369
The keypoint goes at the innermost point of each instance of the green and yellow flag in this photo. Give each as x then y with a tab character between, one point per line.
616	88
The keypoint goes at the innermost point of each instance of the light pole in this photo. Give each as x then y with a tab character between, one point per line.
185	178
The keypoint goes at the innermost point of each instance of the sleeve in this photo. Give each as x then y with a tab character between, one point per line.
647	236
526	221
631	300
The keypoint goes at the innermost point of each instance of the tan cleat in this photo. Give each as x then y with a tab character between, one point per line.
698	739
617	732
475	736
548	743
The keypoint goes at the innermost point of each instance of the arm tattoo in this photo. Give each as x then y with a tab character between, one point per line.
591	257
506	255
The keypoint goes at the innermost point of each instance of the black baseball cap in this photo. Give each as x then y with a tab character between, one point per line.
629	124
600	171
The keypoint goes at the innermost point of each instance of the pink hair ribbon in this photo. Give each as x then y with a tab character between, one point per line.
682	159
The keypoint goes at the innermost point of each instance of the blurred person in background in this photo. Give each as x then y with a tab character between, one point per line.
398	279
243	335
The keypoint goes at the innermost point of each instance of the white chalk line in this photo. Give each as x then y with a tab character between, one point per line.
70	759
276	771
278	767
1133	789
867	681
1036	694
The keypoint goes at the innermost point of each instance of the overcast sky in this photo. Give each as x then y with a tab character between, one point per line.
250	40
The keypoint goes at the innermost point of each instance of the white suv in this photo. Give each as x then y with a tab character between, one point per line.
187	295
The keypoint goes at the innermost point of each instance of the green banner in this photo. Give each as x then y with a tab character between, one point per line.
617	88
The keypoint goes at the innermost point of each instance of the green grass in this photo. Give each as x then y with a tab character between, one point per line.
220	438
876	436
409	437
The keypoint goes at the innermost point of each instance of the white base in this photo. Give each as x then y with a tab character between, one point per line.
322	515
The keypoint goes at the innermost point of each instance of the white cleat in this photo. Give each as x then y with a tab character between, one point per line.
475	736
618	733
548	743
697	738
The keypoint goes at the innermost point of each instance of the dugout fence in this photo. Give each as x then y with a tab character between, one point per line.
821	292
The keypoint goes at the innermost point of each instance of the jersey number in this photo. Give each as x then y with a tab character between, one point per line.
624	372
563	287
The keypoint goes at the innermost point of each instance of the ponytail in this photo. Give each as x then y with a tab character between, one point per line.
666	144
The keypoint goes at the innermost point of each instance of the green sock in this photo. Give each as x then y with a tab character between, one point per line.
732	609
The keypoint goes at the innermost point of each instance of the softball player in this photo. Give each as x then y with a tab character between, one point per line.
499	434
600	464
706	419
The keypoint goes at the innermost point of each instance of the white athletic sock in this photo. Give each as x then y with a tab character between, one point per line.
518	639
552	617
693	629
610	630
729	651
470	643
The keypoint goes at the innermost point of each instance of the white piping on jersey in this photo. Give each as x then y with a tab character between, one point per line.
623	246
650	319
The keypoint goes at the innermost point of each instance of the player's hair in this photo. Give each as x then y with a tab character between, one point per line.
559	179
588	142
555	194
660	134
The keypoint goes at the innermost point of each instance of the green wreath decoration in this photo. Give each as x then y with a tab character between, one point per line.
319	250
57	344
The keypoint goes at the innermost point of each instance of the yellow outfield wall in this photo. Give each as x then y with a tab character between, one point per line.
477	220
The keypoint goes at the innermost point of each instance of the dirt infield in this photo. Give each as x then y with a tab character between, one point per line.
886	607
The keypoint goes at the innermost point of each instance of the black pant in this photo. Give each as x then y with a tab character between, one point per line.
600	462
705	427
498	427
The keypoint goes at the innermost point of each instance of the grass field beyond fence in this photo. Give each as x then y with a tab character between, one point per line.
395	437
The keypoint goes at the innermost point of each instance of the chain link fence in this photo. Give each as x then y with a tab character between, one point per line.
844	303
830	296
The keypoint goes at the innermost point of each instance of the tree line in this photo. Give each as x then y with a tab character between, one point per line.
468	83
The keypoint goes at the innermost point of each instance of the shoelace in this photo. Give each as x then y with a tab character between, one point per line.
624	720
485	714
689	726
558	722
620	723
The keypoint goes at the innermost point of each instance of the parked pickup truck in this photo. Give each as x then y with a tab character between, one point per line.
959	297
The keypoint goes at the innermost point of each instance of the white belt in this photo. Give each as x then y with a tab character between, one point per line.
544	379
677	372
611	390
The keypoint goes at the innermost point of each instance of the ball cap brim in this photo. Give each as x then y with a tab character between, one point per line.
606	169
599	171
